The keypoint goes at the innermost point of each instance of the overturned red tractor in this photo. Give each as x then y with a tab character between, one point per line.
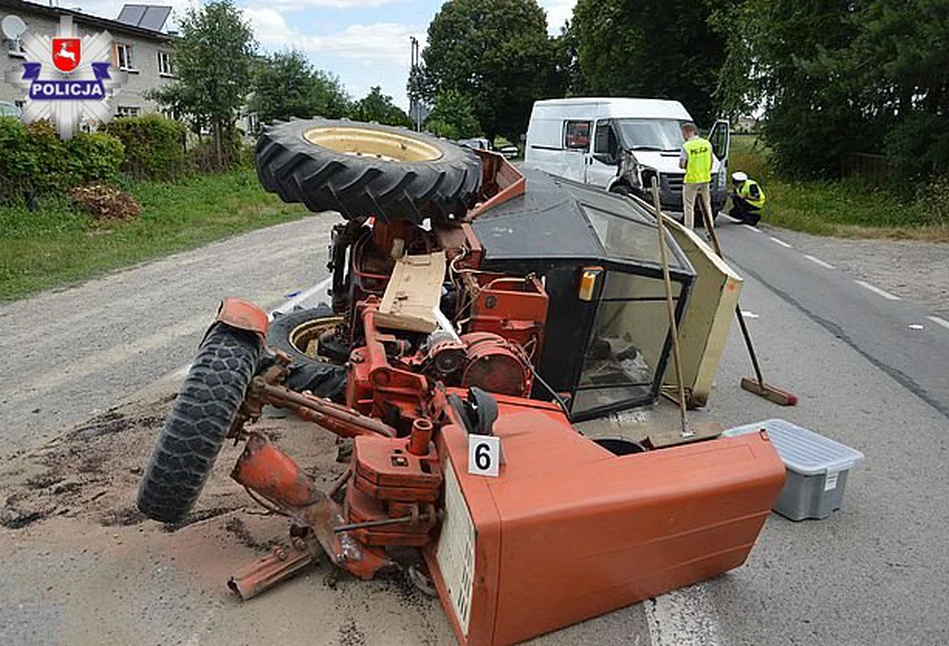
476	313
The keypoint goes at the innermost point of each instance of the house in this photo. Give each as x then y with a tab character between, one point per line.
140	47
746	123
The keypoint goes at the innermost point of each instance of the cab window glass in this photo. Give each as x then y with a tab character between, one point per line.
577	135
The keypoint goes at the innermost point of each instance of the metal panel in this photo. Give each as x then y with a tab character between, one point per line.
155	18
708	318
144	16
456	549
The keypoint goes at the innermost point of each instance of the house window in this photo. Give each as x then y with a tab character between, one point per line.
577	135
165	67
123	57
253	123
128	111
15	48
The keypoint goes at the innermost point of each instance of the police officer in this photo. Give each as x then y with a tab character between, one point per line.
696	159
747	199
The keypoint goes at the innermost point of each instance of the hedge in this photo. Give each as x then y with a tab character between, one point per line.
34	160
153	146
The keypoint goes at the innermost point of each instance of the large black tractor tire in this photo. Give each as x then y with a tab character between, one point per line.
296	333
195	428
362	169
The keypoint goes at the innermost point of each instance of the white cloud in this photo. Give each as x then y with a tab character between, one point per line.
381	43
296	5
558	12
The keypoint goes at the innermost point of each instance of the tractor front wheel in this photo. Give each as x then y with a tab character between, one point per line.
194	430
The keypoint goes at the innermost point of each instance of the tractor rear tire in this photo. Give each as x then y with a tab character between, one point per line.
196	427
362	169
295	333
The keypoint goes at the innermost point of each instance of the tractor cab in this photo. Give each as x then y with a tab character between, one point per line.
606	340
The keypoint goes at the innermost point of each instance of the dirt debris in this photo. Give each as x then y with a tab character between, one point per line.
238	529
351	635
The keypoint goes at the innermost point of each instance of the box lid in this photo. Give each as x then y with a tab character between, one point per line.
801	450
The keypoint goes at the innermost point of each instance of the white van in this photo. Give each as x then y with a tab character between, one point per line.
620	145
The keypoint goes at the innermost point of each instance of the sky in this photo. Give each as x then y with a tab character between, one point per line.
363	42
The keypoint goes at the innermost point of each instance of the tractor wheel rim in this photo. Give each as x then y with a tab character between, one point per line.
304	337
375	144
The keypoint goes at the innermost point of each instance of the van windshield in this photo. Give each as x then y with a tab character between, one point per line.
650	134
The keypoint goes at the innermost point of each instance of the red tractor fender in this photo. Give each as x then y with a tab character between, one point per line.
243	315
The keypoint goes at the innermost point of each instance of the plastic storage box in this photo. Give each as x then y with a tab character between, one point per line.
817	468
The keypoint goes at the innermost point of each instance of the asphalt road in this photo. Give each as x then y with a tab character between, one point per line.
873	573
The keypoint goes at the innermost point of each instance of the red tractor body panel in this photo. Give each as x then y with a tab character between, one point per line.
570	531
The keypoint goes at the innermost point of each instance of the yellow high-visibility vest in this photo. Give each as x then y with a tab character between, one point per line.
698	169
744	192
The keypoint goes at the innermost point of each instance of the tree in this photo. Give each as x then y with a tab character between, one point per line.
286	85
649	48
837	77
453	116
213	52
379	107
497	51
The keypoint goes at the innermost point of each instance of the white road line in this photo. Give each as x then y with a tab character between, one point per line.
285	307
751	228
939	321
781	242
683	617
876	290
818	261
299	298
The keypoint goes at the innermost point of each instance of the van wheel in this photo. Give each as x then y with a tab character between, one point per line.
362	169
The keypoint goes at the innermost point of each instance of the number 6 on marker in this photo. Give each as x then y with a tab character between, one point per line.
484	455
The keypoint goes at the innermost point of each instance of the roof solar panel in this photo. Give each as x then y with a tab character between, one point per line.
154	18
131	14
150	17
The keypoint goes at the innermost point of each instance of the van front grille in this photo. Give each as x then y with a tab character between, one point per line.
674	182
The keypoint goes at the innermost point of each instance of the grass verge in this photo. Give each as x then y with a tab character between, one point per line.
57	245
847	208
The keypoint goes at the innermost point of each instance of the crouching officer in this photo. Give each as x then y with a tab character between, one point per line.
747	199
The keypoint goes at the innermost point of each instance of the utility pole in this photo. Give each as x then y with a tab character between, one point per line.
415	105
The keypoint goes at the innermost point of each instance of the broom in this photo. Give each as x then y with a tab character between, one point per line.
756	385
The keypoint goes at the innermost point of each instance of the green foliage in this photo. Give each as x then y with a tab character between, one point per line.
379	107
917	148
19	162
848	207
286	85
93	157
648	48
204	157
154	146
935	201
453	116
35	161
213	53
838	77
62	245
497	51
